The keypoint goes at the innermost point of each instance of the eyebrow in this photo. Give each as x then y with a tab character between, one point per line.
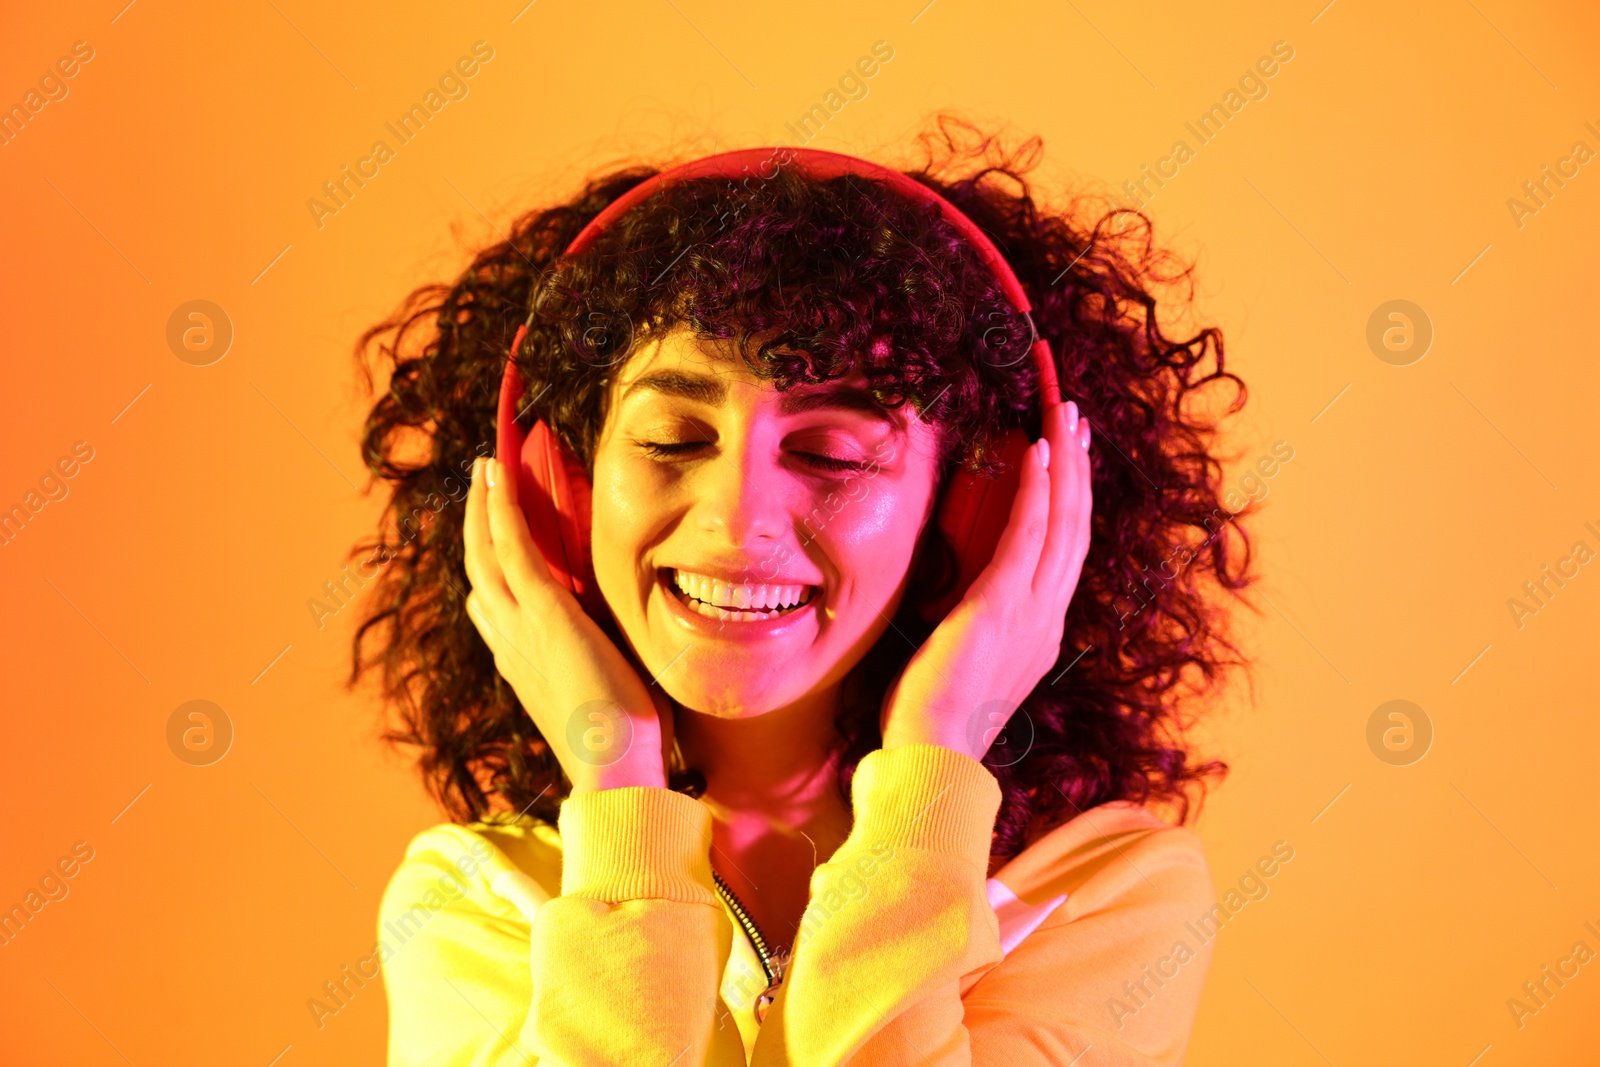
713	392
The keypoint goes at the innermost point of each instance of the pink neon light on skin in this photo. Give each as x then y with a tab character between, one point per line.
772	697
749	503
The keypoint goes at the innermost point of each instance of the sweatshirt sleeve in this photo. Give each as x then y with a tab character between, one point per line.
1112	978
621	968
898	915
899	959
627	961
454	956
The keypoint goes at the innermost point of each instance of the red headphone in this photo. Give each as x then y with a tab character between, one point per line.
554	489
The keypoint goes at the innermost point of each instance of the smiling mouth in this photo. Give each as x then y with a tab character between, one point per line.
745	602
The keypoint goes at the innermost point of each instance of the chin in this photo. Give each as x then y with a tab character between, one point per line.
712	685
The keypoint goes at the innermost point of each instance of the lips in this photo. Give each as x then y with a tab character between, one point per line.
709	605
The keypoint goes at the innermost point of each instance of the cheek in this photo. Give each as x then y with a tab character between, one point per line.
873	523
872	537
621	508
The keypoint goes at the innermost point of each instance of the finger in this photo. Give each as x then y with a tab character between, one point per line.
1060	422
483	567
1067	541
1016	556
486	629
525	570
1081	508
497	627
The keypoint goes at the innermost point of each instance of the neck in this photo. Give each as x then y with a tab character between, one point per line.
776	810
779	763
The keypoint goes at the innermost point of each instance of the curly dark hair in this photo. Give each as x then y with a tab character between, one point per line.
829	276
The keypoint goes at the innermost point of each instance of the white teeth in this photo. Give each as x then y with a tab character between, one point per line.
743	595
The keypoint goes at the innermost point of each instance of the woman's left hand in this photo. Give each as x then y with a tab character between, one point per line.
969	677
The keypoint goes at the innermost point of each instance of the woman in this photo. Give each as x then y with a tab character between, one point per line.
750	802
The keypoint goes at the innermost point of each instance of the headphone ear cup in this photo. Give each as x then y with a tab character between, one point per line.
555	490
554	493
972	514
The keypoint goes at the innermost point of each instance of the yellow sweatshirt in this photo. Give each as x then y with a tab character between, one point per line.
604	941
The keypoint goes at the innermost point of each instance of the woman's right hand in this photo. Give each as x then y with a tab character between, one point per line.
604	724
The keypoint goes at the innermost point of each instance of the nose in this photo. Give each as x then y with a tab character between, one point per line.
741	494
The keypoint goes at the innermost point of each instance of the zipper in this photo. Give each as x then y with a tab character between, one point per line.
772	964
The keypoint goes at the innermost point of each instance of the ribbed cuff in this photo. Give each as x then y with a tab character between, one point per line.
636	842
926	797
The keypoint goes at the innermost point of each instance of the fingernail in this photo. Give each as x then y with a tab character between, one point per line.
489	471
1072	414
1044	453
1085	437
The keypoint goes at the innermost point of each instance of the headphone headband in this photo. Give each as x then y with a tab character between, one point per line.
818	163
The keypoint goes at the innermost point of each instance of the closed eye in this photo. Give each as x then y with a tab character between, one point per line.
678	448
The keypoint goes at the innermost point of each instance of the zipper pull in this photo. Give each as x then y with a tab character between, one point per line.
780	964
764	1001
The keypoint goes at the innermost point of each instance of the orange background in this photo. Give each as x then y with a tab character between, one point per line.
1416	505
